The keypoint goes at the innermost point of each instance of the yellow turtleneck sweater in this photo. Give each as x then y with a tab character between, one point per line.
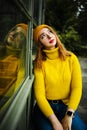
11	71
58	80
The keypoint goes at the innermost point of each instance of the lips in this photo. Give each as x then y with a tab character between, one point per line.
51	41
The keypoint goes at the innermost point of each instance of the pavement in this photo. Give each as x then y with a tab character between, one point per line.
82	109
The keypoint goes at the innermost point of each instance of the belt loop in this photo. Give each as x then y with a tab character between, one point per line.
54	101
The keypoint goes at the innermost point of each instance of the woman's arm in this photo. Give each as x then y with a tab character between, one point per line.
40	93
75	92
76	83
55	122
67	120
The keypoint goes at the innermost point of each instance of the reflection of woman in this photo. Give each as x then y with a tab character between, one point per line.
57	85
12	72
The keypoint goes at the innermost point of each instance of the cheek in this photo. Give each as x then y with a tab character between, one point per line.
43	42
54	37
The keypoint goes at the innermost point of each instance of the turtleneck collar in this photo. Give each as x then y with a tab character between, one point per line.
52	54
12	51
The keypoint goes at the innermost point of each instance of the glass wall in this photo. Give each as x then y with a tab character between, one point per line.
13	30
18	18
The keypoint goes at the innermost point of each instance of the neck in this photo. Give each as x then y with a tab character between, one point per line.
52	54
12	51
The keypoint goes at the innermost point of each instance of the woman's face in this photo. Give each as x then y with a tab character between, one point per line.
47	38
15	37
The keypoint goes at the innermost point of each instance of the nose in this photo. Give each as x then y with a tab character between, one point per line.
49	36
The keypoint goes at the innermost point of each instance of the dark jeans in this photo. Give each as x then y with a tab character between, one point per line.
42	123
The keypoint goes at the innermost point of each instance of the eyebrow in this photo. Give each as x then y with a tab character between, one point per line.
44	32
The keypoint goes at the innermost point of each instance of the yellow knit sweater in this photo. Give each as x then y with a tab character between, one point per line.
11	72
58	79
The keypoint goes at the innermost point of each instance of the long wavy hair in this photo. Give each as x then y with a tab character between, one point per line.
41	56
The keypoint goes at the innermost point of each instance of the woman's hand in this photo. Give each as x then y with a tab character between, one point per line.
55	122
67	122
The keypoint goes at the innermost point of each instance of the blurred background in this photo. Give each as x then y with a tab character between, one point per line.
69	19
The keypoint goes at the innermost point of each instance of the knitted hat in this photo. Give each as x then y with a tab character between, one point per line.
38	29
23	25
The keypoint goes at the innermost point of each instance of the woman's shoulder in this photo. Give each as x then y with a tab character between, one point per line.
73	57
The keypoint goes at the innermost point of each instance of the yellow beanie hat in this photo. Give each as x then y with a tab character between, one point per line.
38	29
23	25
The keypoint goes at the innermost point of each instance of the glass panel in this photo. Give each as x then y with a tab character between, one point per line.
13	30
36	10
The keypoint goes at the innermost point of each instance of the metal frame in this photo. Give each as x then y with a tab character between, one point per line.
17	115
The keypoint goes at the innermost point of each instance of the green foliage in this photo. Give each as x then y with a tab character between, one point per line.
82	21
69	17
61	13
70	38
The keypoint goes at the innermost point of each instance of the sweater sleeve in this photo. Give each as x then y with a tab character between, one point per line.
40	95
76	84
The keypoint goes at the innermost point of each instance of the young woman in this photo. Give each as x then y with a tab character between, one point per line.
57	84
12	62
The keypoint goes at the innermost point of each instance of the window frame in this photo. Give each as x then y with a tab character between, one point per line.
22	101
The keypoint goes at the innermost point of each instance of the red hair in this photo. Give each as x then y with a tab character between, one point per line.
40	56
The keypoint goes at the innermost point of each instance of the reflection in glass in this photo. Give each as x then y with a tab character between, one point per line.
12	61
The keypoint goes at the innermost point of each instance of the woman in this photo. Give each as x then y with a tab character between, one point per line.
57	85
12	62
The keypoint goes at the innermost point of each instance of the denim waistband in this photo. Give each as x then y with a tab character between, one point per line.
54	101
